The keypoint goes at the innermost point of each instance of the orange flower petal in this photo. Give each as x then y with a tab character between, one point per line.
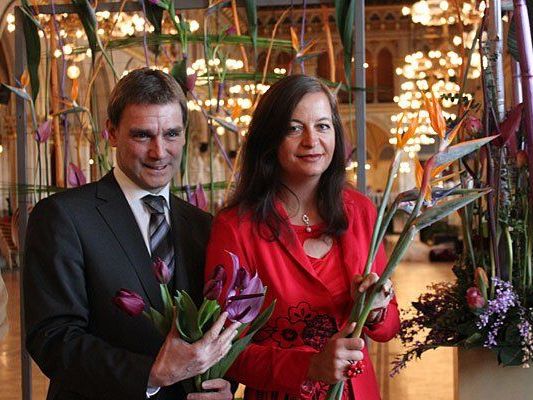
74	90
25	78
294	39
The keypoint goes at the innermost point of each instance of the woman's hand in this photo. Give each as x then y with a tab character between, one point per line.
361	284
340	352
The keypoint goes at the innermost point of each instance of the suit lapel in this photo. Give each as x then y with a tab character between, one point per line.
118	216
181	235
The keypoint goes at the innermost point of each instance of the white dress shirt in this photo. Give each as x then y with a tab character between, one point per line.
134	195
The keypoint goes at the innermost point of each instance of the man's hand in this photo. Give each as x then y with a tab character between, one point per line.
219	389
178	360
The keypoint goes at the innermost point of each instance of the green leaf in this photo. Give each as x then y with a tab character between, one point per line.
87	17
154	14
167	301
179	72
251	15
347	41
188	316
510	355
160	322
33	47
436	213
460	150
220	369
18	92
206	312
512	43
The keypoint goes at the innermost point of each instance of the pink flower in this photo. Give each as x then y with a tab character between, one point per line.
474	298
44	131
161	271
472	125
129	302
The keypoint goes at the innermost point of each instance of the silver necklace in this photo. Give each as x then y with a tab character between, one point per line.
307	223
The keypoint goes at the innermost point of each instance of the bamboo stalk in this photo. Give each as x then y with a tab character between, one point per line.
525	47
55	107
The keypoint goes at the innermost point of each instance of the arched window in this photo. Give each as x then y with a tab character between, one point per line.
370	80
385	76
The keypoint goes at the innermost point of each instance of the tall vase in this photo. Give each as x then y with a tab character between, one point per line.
480	377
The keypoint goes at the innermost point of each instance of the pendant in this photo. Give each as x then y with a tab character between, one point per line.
306	221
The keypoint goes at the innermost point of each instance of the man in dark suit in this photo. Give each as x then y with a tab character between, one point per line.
85	244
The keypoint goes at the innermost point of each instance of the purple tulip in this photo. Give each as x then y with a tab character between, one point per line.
201	199
246	294
161	271
105	134
129	302
44	131
75	176
231	31
213	287
190	82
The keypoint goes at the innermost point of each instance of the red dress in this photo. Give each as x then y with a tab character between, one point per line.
313	301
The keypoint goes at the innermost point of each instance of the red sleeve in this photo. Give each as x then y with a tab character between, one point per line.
261	367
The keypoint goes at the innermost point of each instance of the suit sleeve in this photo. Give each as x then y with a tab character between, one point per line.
261	367
57	314
390	326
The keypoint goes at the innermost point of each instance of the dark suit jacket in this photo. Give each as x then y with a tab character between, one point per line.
83	245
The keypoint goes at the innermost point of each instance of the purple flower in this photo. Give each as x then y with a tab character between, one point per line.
129	302
493	317
213	286
230	31
161	271
44	131
472	125
246	294
190	82
105	134
75	176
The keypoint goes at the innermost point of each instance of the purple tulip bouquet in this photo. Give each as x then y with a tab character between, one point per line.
243	303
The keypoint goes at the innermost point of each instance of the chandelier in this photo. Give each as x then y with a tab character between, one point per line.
431	73
441	12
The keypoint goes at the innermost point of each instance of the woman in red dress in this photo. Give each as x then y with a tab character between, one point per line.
294	221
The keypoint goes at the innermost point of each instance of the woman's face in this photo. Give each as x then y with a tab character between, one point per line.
307	149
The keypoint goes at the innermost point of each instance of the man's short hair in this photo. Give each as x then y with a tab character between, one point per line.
145	86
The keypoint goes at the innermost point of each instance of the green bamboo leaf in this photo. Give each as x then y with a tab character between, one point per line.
436	213
87	17
188	316
460	150
277	44
220	369
154	14
251	14
179	72
33	47
512	44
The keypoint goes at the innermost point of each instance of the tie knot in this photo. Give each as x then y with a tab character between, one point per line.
155	204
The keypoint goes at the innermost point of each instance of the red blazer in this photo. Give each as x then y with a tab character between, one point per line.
305	316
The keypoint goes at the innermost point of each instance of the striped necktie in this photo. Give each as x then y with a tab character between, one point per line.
159	230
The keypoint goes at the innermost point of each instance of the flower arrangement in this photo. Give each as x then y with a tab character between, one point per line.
490	302
243	303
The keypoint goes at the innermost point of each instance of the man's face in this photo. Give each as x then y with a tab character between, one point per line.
149	140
